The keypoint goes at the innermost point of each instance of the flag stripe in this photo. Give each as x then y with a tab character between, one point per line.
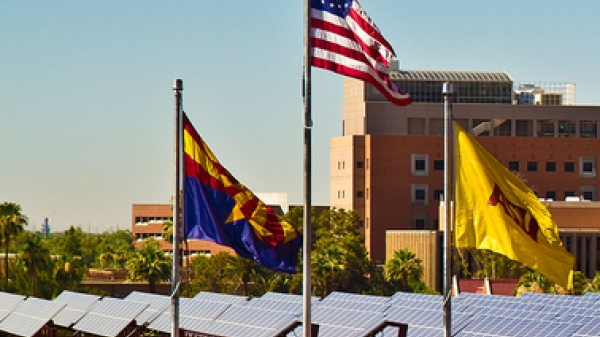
346	41
340	64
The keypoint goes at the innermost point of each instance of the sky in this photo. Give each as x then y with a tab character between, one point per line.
86	110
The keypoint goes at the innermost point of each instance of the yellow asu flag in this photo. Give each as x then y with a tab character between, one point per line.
495	210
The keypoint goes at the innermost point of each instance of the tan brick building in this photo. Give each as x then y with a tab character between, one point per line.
388	164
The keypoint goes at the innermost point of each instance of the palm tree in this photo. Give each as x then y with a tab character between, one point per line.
12	222
149	263
35	258
404	267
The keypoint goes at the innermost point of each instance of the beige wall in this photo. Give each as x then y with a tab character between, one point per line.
425	246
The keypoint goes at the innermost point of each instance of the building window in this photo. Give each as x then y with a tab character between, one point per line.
524	128
419	164
360	164
546	128
438	194
569	194
587	167
513	166
504	129
569	166
588	192
588	129
360	194
419	221
531	166
419	194
551	195
550	166
566	129
438	165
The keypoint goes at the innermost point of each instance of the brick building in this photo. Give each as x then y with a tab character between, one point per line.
388	164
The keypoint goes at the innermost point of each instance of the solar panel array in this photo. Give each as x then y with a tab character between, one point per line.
30	316
340	314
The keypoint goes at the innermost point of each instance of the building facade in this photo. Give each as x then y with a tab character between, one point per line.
388	164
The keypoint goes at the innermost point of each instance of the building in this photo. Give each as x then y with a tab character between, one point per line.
147	221
388	163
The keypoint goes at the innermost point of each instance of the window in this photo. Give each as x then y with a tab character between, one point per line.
569	166
531	166
419	164
551	195
419	194
438	194
513	166
588	192
587	167
360	194
569	194
550	166
360	164
524	128
419	221
504	129
438	165
587	129
545	128
566	129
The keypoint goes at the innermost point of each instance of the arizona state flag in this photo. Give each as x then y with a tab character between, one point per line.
216	207
495	210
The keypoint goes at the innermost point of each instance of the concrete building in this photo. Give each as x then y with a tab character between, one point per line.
388	164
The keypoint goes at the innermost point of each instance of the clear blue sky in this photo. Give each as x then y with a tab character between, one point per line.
87	102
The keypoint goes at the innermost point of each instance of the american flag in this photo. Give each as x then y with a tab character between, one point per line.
345	40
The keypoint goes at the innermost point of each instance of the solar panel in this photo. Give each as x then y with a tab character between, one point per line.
348	318
269	319
158	304
192	315
283	306
77	306
218	297
591	328
350	297
335	331
354	305
109	317
30	316
8	302
427	318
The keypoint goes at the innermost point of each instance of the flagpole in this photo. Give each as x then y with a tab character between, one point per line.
307	228
448	198
175	277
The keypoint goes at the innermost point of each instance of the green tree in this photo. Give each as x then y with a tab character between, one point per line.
35	259
211	273
594	284
12	222
339	259
403	269
149	263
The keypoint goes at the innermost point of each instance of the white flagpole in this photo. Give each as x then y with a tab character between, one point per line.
307	228
448	198
175	277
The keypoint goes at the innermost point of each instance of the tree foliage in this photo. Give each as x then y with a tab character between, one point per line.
149	263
